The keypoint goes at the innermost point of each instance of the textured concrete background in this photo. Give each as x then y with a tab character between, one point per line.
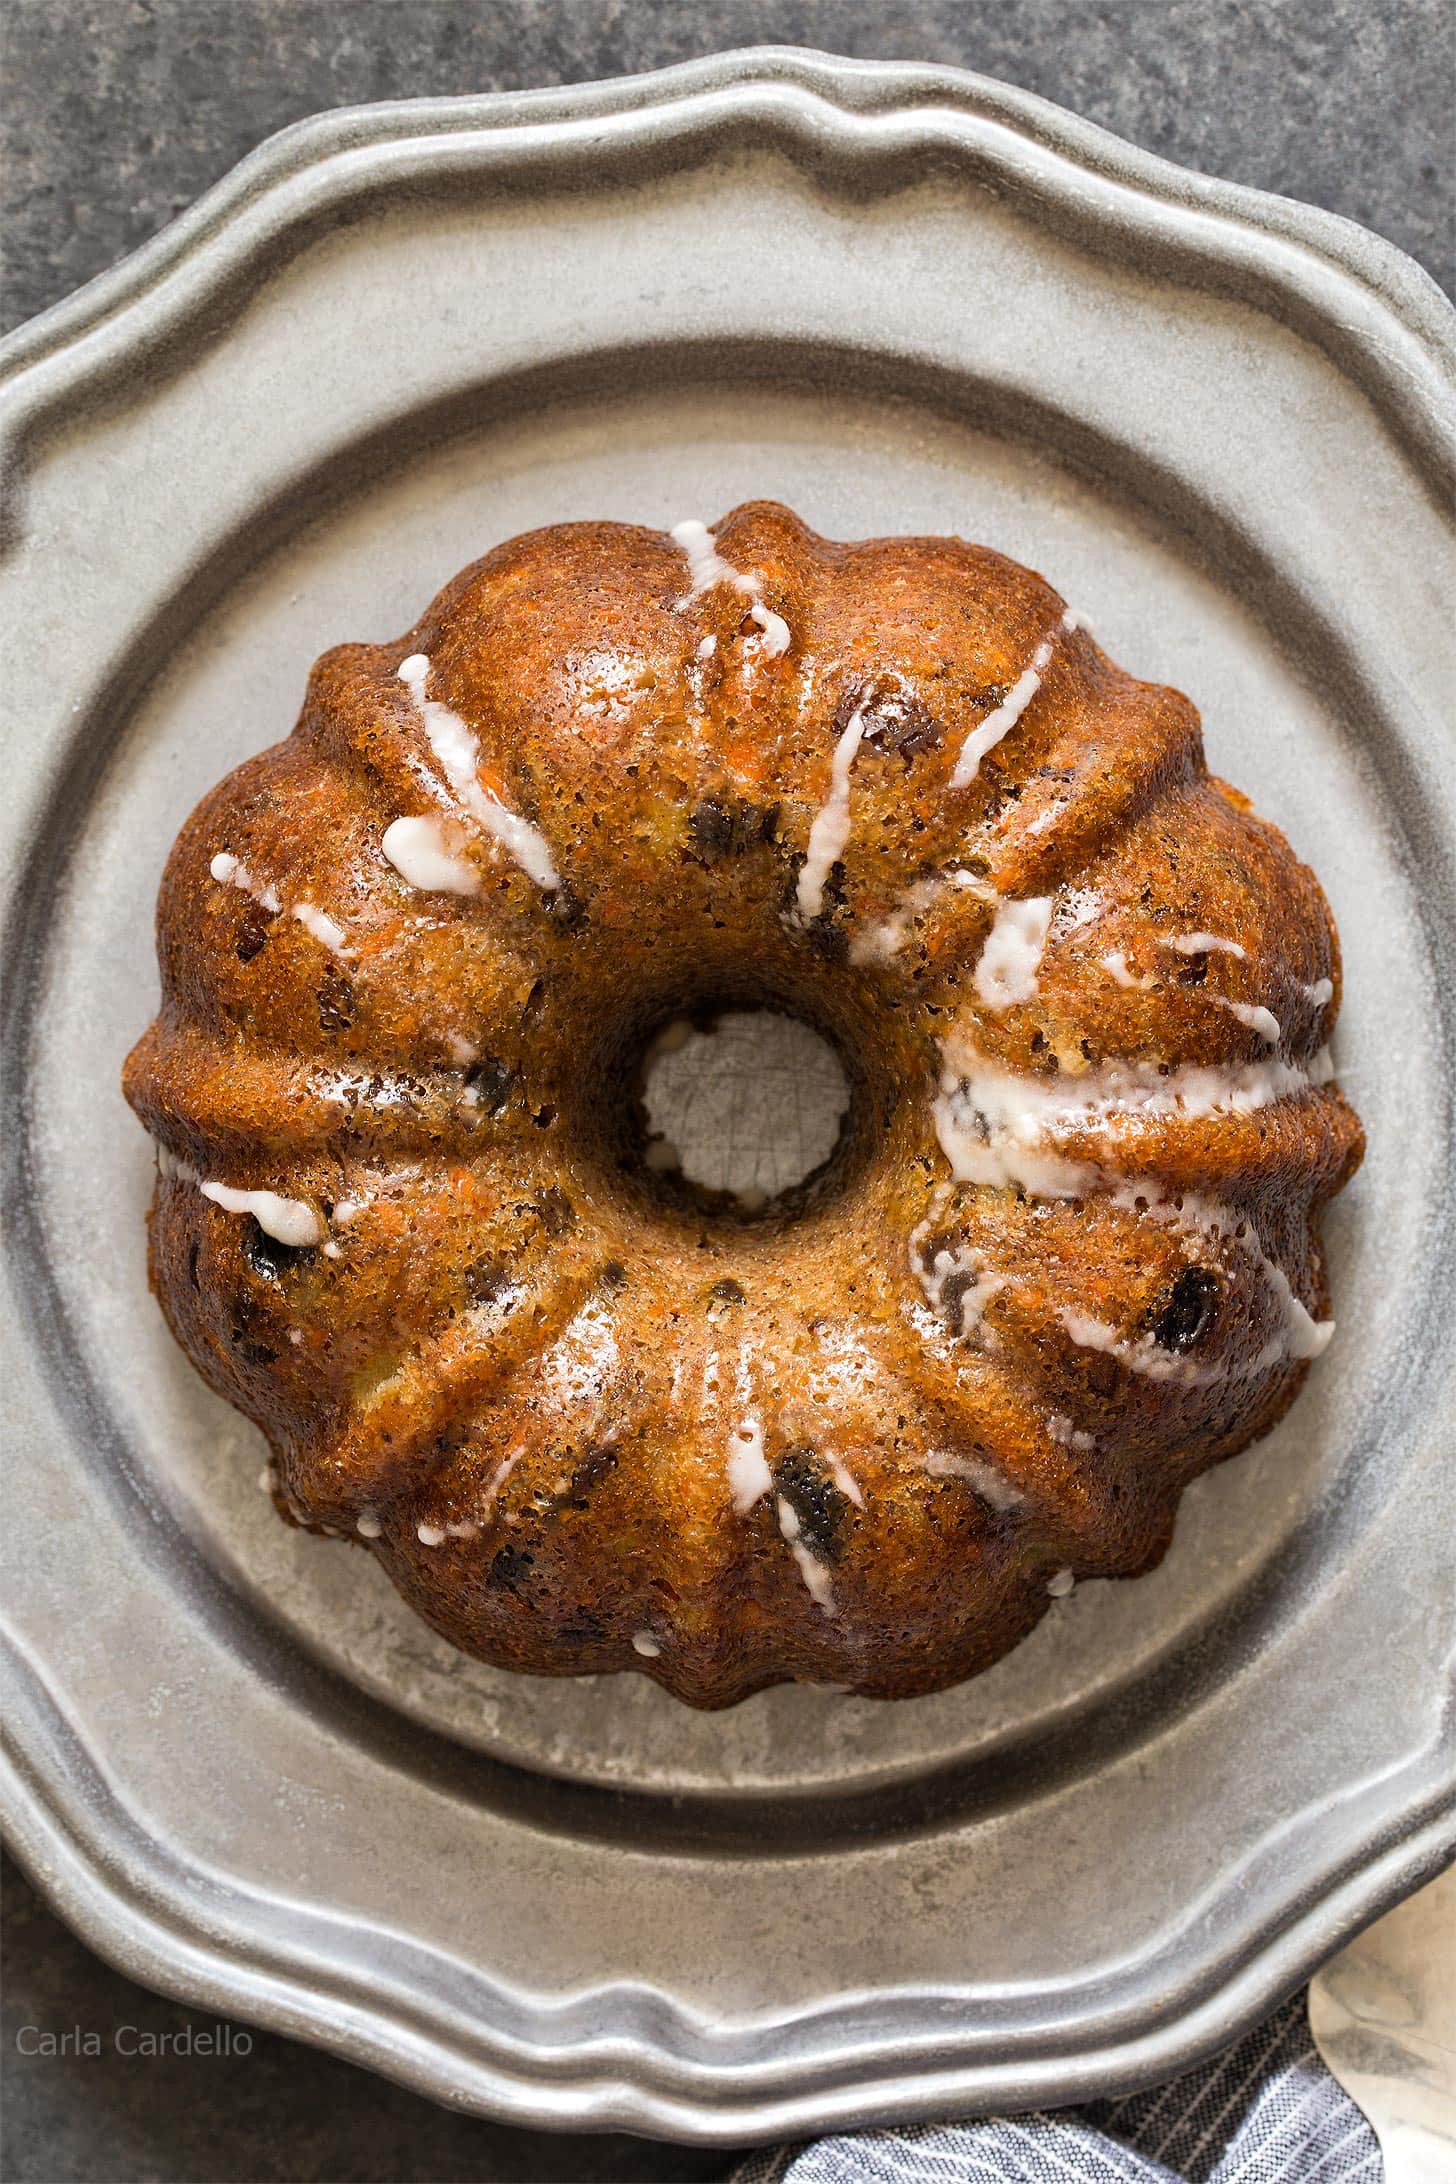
116	114
120	111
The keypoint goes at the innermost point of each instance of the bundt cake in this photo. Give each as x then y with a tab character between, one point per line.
1062	1257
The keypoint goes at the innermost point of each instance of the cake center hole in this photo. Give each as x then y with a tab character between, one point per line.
748	1103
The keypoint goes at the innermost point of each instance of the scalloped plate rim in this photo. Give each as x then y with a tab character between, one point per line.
1417	1832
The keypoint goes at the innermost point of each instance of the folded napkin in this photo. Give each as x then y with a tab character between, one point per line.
1265	2111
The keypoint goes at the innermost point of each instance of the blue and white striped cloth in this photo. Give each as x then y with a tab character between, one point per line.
1266	2111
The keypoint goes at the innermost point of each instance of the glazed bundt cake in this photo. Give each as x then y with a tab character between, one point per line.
588	1415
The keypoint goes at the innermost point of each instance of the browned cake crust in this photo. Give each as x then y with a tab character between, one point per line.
1064	1259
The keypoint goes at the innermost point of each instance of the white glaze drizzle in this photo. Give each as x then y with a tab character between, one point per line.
1300	1336
989	732
1252	1013
230	871
990	1135
1211	1219
933	1332
1321	993
811	1569
420	851
1011	956
1303	1336
749	1477
706	567
843	1478
1139	1353
367	1524
1061	1429
829	830
287	1220
994	1488
326	930
1262	1020
776	635
994	1127
457	753
960	1260
1012	1111
430	1535
1116	967
1009	961
882	943
1203	944
644	1643
1060	1584
498	1479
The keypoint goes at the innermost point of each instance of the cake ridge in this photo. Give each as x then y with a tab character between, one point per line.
1065	1257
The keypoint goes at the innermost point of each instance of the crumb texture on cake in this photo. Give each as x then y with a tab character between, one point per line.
1064	1257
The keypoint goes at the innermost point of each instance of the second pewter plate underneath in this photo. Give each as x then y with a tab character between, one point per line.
366	1777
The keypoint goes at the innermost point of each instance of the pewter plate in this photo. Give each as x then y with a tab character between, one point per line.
900	299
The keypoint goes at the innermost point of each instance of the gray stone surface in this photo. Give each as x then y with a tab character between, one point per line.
117	113
276	2114
120	111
